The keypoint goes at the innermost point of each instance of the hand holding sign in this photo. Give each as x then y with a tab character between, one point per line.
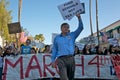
78	15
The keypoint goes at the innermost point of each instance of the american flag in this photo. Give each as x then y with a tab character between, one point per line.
23	37
104	36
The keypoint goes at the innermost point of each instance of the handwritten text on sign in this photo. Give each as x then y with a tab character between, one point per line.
39	66
70	9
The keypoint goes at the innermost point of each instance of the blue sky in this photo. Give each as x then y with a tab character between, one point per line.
43	16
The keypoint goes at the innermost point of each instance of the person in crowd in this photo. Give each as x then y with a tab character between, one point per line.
18	50
47	49
111	49
39	51
26	49
87	50
8	52
105	51
76	52
117	49
99	50
63	50
33	51
92	48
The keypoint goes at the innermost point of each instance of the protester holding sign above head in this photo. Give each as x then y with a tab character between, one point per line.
63	50
69	9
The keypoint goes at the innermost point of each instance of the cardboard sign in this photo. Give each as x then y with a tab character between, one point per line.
69	9
14	28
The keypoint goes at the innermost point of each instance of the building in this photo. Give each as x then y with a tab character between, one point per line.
112	31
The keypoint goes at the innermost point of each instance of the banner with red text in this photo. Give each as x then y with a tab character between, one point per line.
34	66
116	63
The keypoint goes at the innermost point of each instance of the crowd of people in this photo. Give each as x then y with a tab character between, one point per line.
27	49
97	49
63	49
11	50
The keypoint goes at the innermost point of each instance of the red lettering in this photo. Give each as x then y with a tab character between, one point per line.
92	62
13	65
30	67
56	68
82	64
46	66
106	60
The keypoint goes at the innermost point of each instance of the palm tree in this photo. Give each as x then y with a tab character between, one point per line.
39	37
19	9
19	14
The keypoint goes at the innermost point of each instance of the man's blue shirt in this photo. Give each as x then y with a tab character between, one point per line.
64	45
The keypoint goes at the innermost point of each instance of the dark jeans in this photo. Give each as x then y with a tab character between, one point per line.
66	66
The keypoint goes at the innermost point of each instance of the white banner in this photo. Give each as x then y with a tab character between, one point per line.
70	9
34	66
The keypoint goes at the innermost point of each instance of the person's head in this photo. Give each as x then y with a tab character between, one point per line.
33	51
8	50
28	42
47	48
21	45
65	28
99	49
76	48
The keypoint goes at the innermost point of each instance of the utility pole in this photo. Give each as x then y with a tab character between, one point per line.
19	9
97	21
90	14
19	16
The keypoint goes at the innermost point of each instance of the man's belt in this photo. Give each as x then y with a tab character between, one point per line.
67	56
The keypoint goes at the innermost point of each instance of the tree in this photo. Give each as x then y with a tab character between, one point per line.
39	37
5	18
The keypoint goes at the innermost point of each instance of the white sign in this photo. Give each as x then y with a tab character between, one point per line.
70	9
113	41
89	40
35	66
53	36
80	45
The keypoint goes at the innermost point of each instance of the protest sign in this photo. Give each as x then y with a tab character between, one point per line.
69	9
37	66
116	63
53	36
14	28
113	41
